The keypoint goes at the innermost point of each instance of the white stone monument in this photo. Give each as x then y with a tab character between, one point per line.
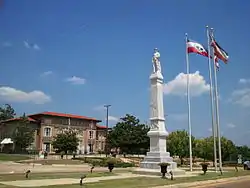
158	134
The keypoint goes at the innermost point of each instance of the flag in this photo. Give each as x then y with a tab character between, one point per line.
194	47
216	63
219	52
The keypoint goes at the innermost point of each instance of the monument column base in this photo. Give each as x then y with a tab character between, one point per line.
150	164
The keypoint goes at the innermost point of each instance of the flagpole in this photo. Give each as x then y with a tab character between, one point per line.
217	108
189	109
212	98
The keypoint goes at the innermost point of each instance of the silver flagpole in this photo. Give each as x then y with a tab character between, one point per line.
217	108
189	109
212	99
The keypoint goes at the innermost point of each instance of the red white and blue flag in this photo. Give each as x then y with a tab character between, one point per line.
219	52
195	47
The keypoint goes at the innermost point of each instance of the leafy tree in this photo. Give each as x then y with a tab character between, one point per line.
178	144
6	112
66	142
228	149
23	134
129	135
244	151
204	148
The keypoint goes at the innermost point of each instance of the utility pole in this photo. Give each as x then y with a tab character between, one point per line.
107	126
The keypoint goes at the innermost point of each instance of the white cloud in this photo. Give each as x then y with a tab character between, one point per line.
241	97
31	45
14	95
7	44
26	44
113	118
47	73
244	81
231	125
36	47
76	80
178	86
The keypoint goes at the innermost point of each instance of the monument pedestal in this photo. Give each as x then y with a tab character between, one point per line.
157	134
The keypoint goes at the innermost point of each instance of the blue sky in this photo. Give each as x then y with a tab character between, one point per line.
80	55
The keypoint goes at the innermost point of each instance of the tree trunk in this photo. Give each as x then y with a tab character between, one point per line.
181	158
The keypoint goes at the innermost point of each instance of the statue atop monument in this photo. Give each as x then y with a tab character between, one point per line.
156	61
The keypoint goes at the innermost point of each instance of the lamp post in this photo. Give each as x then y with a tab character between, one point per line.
107	126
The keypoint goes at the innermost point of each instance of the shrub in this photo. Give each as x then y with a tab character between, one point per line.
124	165
103	161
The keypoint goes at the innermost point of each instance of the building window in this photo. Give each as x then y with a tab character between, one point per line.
91	134
102	146
47	131
46	147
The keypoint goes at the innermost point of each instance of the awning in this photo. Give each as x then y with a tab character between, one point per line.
7	141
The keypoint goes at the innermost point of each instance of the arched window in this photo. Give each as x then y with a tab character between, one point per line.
47	131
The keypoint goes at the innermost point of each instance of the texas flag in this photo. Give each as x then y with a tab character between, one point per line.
194	47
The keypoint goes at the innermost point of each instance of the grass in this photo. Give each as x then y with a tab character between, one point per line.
50	162
146	182
13	157
37	176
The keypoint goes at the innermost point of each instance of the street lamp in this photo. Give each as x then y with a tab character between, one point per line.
107	126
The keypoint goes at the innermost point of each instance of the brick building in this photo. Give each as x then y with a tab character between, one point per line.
49	124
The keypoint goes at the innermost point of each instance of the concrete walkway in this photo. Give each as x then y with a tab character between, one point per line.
65	181
205	183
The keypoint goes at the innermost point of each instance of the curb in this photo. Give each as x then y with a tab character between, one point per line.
203	183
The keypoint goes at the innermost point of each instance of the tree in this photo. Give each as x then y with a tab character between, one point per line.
204	148
129	135
244	151
178	144
66	142
23	134
228	149
6	112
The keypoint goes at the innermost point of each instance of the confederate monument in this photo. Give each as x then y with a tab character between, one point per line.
158	134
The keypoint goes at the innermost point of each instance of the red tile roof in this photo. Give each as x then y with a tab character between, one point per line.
19	118
65	115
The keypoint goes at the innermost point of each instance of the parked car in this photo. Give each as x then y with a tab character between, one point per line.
246	165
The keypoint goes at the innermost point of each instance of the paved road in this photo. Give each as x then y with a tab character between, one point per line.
234	184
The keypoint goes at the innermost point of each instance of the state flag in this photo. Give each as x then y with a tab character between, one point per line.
195	47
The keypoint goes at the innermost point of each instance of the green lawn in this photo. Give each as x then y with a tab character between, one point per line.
35	176
13	157
146	182
59	161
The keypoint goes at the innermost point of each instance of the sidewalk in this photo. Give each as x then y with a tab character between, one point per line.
65	181
203	183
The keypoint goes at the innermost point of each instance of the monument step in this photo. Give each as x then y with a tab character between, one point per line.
155	165
157	172
158	154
